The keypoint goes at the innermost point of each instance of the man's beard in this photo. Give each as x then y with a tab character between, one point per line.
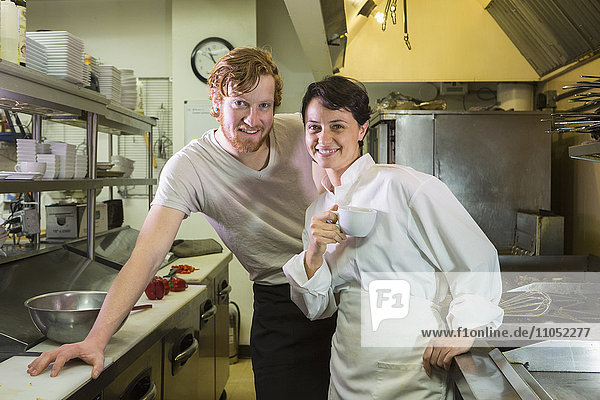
245	145
240	143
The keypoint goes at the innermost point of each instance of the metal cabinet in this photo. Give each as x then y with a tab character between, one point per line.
495	163
141	380
221	279
215	319
182	364
206	350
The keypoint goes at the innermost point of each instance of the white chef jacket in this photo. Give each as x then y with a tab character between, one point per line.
422	235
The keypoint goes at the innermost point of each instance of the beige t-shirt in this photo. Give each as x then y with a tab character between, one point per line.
259	215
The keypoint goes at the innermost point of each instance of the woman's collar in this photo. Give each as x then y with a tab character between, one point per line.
351	174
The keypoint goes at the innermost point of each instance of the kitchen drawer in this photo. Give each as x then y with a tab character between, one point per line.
141	379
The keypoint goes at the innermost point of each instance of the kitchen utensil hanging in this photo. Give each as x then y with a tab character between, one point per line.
577	120
390	9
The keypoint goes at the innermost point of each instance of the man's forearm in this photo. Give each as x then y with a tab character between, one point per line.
122	295
154	241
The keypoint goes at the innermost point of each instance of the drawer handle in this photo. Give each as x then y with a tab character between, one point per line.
187	353
225	291
150	394
209	314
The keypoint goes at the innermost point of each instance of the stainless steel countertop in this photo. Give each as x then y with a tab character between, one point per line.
53	271
478	378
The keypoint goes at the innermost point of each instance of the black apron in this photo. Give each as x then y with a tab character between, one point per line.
290	353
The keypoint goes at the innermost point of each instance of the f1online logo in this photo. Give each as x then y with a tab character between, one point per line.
389	299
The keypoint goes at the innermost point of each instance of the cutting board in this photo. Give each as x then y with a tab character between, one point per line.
205	265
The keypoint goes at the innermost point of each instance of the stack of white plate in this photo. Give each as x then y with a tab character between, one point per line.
81	165
110	82
64	52
128	89
86	74
52	165
122	164
26	150
43	148
66	154
36	55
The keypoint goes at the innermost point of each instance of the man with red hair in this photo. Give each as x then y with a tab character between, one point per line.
252	178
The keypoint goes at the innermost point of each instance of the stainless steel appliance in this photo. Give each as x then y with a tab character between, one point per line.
183	365
222	328
495	163
206	349
540	233
552	369
217	283
114	248
140	380
486	373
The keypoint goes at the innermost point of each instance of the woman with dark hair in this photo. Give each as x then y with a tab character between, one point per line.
388	285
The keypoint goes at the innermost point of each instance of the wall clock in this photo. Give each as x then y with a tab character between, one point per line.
206	54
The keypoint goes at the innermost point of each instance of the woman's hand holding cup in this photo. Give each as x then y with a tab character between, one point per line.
324	230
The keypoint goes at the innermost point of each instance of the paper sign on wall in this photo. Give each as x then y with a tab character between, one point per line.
197	119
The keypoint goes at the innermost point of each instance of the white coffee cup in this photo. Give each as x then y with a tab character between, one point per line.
31	166
356	221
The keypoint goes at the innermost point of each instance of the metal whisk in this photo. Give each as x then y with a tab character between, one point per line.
526	304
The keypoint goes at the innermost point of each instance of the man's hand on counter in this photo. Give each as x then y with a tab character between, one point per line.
88	352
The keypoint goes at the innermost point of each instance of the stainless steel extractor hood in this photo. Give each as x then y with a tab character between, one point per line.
334	18
323	39
550	34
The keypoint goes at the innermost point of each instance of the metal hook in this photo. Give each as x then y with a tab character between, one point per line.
405	18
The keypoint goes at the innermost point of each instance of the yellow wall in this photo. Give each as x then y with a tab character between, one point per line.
576	183
451	41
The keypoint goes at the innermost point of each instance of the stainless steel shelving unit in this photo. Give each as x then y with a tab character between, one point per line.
20	186
44	97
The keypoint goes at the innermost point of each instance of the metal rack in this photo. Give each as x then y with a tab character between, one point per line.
44	97
585	118
589	151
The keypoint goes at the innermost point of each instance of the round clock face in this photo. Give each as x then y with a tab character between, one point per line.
206	54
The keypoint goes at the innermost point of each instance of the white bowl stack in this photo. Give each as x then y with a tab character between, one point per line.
52	165
37	58
81	165
122	164
110	82
26	150
128	89
29	150
66	154
64	53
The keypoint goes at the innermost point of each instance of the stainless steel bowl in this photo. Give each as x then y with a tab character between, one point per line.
66	317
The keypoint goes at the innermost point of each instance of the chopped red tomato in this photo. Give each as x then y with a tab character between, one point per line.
184	269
